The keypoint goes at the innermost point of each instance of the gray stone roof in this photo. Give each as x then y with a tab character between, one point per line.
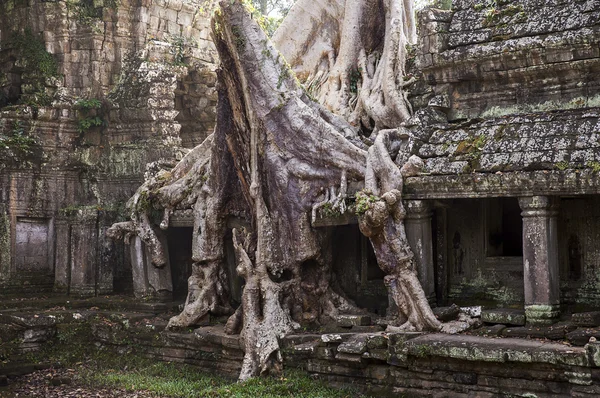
541	153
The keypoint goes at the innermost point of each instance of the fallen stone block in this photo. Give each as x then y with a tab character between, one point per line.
353	320
586	319
581	337
504	316
356	345
445	314
487	330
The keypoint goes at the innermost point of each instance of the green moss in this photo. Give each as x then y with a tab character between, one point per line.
238	38
595	166
562	165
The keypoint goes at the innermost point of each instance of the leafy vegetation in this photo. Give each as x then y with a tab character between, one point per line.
178	50
17	142
37	64
364	201
89	114
269	13
88	12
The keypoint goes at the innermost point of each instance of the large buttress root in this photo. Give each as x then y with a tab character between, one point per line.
383	224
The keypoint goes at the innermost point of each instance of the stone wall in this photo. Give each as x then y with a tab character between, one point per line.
498	57
134	83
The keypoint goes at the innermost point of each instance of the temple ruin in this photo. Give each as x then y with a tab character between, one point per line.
108	162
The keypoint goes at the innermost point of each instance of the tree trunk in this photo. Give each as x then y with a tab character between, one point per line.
356	68
274	158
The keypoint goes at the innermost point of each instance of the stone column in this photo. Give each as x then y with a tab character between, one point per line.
419	235
540	259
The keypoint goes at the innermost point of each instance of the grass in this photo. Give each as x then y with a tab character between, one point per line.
185	381
73	348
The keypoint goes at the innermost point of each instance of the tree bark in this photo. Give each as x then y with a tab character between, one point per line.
383	224
356	68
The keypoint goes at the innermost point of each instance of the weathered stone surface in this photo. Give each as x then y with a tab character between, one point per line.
503	316
446	314
493	330
559	330
586	319
581	337
355	345
353	320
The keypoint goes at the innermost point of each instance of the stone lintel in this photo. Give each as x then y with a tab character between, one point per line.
514	184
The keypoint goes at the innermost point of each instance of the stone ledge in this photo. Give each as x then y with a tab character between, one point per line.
488	185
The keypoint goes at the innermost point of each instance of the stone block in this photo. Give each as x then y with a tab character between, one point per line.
377	354
356	345
494	330
353	320
524	332
581	337
341	356
377	341
559	330
504	316
586	319
445	314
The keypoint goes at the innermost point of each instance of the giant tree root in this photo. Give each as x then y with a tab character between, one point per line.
383	224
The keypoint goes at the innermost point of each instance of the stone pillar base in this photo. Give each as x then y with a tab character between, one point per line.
539	314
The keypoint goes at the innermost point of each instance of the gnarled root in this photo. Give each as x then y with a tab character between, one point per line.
264	318
207	293
383	224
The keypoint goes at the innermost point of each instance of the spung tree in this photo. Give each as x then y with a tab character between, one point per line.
275	157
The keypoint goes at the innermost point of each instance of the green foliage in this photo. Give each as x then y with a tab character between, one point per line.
329	211
178	50
88	104
442	4
355	78
499	9
16	142
87	12
33	54
260	10
89	114
364	201
38	65
562	165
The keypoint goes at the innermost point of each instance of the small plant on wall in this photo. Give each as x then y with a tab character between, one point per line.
89	114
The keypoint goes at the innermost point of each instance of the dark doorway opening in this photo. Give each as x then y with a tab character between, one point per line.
180	257
505	228
356	270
